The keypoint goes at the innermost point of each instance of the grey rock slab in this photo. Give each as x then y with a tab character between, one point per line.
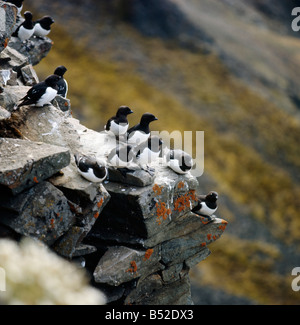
182	248
50	125
25	163
121	264
41	212
4	114
11	96
8	16
89	197
144	212
174	293
144	288
16	59
29	75
197	258
34	50
180	226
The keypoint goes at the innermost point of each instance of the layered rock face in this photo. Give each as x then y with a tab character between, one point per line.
134	234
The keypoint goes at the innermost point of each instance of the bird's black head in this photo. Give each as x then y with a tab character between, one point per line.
124	110
52	80
212	196
18	3
147	118
60	70
47	21
28	15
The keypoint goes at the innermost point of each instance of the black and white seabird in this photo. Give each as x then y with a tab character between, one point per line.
178	160
207	204
141	132
148	151
17	3
62	83
118	125
26	29
42	93
90	168
42	27
121	156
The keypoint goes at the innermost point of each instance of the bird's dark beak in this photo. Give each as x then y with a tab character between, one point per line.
155	118
130	112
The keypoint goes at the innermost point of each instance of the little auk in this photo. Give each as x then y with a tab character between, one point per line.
42	27
148	151
62	83
178	160
207	204
140	132
26	29
42	93
90	168
118	124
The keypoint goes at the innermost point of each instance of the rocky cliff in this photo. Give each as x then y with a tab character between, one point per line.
136	236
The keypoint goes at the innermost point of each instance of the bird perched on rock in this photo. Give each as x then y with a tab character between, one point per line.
178	160
17	3
141	132
26	29
118	125
207	204
148	151
42	27
90	168
121	156
42	93
62	83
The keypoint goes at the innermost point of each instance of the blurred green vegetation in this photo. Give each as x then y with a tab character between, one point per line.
248	141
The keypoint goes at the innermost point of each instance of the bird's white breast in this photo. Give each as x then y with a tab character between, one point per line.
138	137
40	31
24	33
205	210
47	97
118	129
89	175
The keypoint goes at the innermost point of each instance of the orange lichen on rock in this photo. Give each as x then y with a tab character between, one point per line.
184	201
209	236
96	215
148	254
180	184
35	179
99	204
157	189
204	220
6	42
133	267
162	211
